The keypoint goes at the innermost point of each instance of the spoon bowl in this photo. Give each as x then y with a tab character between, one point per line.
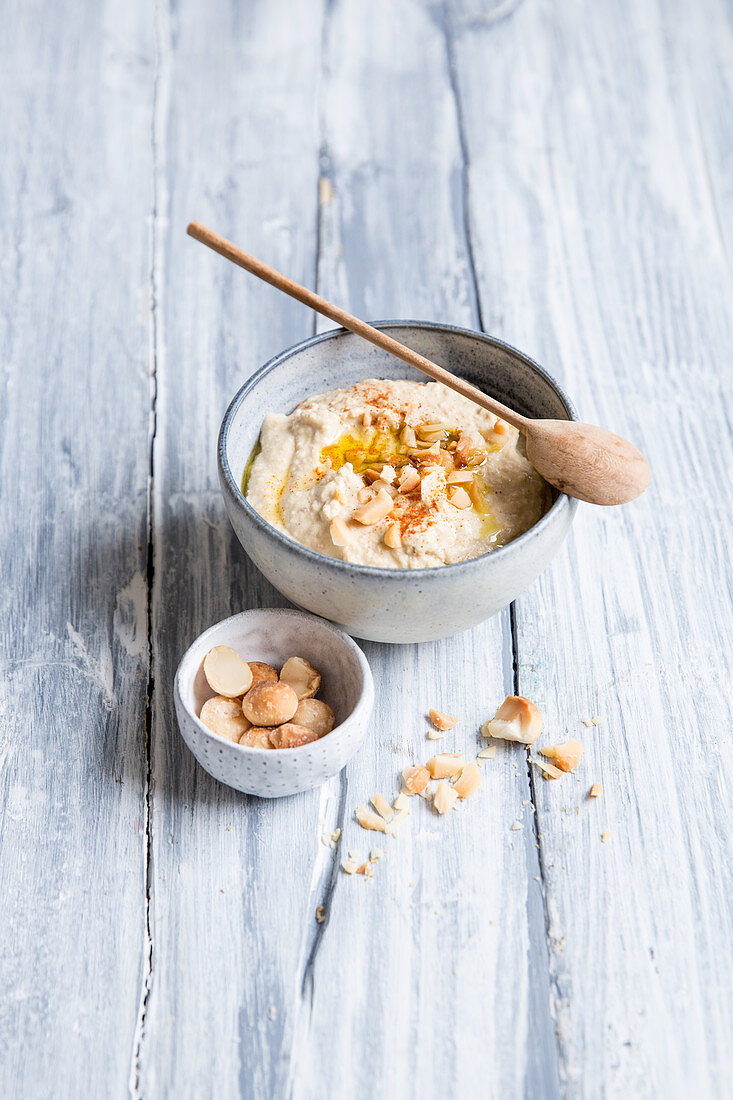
586	462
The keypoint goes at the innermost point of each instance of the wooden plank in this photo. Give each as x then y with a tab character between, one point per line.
233	878
74	424
434	977
601	253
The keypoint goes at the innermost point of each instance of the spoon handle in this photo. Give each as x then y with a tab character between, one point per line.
347	320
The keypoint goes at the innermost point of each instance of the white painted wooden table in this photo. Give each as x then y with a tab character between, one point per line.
559	174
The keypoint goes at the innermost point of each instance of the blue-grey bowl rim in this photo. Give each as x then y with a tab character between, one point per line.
563	501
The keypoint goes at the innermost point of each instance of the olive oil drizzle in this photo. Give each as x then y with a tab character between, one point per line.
372	448
254	453
366	449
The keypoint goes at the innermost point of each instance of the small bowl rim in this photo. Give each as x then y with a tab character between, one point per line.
563	501
363	708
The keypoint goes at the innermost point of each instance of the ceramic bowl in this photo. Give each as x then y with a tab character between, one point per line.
272	635
390	605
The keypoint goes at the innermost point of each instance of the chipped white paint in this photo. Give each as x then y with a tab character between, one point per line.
164	939
131	615
75	176
98	669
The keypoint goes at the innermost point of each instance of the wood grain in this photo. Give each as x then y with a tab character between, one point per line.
615	628
446	948
74	427
231	877
561	177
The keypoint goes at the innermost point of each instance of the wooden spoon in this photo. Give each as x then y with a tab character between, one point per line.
581	460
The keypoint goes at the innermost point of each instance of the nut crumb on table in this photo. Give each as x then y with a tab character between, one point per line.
442	721
567	756
517	719
445	764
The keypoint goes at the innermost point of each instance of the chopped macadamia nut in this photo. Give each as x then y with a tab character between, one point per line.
445	764
315	715
460	477
415	778
339	530
401	802
366	869
369	820
548	770
516	826
302	677
435	735
269	704
442	721
262	673
566	756
487	754
257	737
469	782
432	486
409	479
375	510
459	498
517	719
349	866
392	536
392	826
224	717
291	736
596	790
227	673
376	853
444	798
382	806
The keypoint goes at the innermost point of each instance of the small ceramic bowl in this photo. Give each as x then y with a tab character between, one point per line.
390	605
272	635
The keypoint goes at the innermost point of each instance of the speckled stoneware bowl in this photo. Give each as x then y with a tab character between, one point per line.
272	635
390	605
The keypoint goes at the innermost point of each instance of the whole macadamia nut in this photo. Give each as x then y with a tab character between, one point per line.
290	736
262	673
315	715
269	704
257	737
302	677
224	716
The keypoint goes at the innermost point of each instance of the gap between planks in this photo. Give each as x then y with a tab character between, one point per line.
161	76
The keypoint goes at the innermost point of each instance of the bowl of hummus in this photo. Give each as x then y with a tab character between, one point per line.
392	506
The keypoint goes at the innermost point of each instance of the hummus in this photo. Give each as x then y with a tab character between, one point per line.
399	475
